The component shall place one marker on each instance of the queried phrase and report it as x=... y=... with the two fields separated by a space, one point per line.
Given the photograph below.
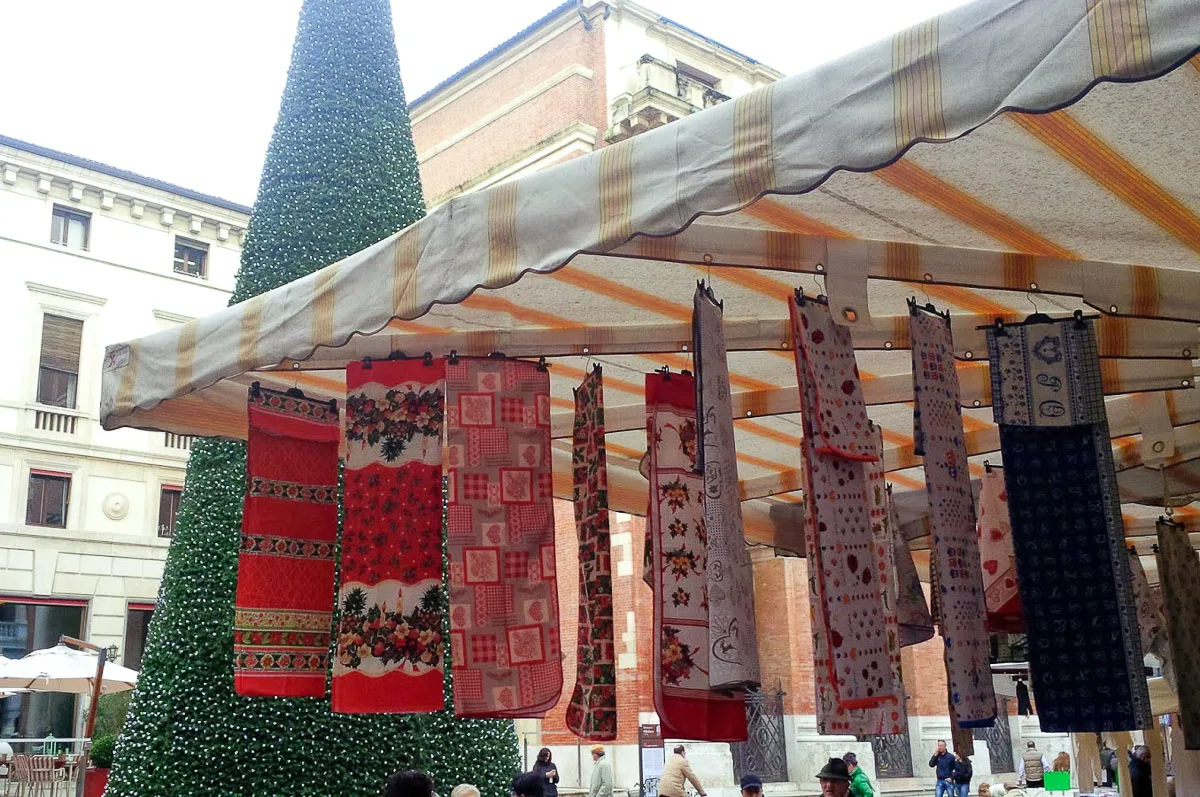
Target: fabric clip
x=543 y=366
x=255 y=389
x=497 y=355
x=427 y=359
x=366 y=363
x=1078 y=315
x=397 y=355
x=296 y=392
x=453 y=358
x=665 y=371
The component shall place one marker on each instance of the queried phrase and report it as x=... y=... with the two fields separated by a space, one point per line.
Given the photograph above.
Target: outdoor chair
x=18 y=776
x=44 y=778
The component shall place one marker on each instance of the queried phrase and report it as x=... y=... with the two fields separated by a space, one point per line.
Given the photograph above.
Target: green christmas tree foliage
x=340 y=174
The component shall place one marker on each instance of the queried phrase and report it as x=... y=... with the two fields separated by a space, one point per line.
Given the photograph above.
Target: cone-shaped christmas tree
x=340 y=174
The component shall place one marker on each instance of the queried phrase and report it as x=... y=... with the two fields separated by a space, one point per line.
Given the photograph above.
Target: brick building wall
x=535 y=93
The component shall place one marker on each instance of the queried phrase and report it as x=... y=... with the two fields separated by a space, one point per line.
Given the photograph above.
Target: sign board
x=651 y=758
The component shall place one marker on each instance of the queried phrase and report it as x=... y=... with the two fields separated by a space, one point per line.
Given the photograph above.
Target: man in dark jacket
x=1140 y=782
x=962 y=775
x=943 y=762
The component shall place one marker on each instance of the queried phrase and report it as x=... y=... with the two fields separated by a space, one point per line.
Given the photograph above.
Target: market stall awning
x=1006 y=157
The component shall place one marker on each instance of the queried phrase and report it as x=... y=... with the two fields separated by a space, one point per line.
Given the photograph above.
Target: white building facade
x=89 y=255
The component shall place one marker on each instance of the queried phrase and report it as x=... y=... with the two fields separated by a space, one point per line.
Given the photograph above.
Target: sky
x=189 y=92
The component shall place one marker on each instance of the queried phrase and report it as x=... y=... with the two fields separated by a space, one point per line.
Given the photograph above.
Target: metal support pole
x=101 y=658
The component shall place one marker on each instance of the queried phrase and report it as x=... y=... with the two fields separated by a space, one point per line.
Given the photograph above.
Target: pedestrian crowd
x=840 y=777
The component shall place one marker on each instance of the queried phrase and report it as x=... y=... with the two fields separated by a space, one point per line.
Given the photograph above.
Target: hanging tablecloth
x=1152 y=620
x=912 y=612
x=390 y=649
x=687 y=708
x=1179 y=574
x=1081 y=620
x=938 y=436
x=500 y=534
x=592 y=712
x=850 y=637
x=284 y=607
x=733 y=645
x=996 y=554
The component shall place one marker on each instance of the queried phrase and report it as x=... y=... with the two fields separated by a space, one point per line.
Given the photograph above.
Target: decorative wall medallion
x=116 y=506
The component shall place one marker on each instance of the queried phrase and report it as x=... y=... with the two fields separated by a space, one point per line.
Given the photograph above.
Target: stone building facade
x=91 y=255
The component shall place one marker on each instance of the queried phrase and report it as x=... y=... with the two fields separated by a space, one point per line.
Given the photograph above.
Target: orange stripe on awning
x=622 y=293
x=417 y=328
x=904 y=481
x=1087 y=152
x=785 y=218
x=625 y=451
x=484 y=301
x=767 y=432
x=792 y=220
x=953 y=201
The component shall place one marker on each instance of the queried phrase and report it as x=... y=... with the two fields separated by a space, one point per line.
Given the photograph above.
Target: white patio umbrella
x=70 y=670
x=63 y=669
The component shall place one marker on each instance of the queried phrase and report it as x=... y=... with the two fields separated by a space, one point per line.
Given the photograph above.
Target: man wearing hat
x=601 y=784
x=751 y=785
x=835 y=778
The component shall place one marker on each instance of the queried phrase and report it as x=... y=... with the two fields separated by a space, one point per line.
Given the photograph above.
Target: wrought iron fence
x=764 y=753
x=999 y=739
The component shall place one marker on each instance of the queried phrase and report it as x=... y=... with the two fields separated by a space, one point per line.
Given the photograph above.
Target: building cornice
x=578 y=136
x=172 y=318
x=108 y=191
x=124 y=175
x=681 y=33
x=63 y=293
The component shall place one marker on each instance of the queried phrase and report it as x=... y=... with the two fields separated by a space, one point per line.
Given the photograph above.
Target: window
x=137 y=624
x=69 y=228
x=58 y=369
x=26 y=626
x=168 y=509
x=191 y=258
x=49 y=494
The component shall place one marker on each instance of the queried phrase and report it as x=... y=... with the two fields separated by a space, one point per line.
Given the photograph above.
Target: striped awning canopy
x=1006 y=157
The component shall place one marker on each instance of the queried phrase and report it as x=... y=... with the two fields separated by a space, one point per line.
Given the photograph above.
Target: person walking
x=860 y=785
x=1141 y=784
x=547 y=770
x=676 y=773
x=943 y=764
x=528 y=784
x=1033 y=767
x=601 y=784
x=834 y=778
x=963 y=772
x=751 y=785
x=411 y=783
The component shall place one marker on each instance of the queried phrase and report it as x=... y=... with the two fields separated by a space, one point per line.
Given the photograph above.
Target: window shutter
x=60 y=343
